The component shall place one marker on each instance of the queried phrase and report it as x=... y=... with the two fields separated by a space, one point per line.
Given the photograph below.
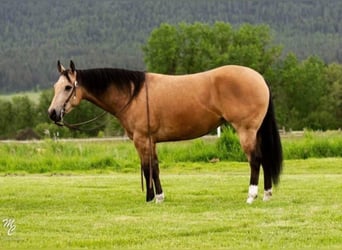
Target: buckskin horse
x=157 y=108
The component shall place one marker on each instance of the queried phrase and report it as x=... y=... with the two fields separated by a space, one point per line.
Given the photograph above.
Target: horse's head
x=67 y=93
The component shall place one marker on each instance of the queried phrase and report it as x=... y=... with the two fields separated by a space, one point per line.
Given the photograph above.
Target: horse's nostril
x=53 y=115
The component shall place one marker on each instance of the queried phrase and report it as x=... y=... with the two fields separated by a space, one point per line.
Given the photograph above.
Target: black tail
x=271 y=149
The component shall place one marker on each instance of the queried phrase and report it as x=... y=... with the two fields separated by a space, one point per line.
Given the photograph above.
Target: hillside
x=34 y=34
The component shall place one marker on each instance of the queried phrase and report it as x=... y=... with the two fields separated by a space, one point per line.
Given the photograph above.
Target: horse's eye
x=68 y=88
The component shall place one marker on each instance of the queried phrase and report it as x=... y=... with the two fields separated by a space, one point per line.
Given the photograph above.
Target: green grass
x=86 y=195
x=204 y=209
x=57 y=157
x=104 y=156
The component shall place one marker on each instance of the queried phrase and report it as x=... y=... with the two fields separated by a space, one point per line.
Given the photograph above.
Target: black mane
x=97 y=81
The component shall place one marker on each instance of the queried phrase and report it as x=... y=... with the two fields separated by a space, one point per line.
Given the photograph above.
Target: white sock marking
x=267 y=195
x=252 y=193
x=160 y=198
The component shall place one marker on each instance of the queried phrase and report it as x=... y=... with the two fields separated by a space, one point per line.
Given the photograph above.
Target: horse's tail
x=271 y=149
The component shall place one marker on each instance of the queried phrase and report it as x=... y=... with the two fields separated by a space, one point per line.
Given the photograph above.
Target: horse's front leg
x=155 y=175
x=153 y=187
x=150 y=168
x=149 y=183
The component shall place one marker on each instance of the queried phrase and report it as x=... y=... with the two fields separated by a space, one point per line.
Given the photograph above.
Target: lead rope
x=150 y=155
x=76 y=126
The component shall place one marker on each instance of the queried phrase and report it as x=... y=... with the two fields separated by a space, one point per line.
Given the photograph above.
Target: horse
x=155 y=108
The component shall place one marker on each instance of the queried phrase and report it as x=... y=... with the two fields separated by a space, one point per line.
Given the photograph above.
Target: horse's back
x=232 y=77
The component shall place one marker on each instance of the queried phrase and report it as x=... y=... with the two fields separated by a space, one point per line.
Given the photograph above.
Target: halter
x=72 y=93
x=74 y=86
x=75 y=126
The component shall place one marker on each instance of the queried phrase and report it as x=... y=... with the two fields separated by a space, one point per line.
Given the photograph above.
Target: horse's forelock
x=65 y=73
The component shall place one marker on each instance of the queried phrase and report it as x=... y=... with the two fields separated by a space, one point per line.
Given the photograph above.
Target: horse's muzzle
x=55 y=115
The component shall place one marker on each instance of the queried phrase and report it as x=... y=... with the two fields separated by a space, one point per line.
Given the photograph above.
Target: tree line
x=22 y=118
x=35 y=34
x=307 y=93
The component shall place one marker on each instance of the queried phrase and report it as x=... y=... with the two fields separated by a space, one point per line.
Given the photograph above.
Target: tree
x=189 y=48
x=43 y=105
x=253 y=47
x=331 y=108
x=162 y=50
x=7 y=116
x=298 y=88
x=24 y=113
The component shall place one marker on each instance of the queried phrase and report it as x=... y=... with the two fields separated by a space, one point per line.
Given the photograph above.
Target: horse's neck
x=113 y=101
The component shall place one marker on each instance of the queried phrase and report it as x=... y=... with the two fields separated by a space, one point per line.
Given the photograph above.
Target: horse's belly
x=186 y=126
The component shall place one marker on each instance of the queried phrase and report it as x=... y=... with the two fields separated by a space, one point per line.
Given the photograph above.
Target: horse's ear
x=60 y=67
x=72 y=66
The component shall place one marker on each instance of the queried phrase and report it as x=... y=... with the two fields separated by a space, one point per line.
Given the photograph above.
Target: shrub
x=229 y=147
x=313 y=145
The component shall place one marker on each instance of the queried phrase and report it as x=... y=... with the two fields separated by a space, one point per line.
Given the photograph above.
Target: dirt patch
x=27 y=134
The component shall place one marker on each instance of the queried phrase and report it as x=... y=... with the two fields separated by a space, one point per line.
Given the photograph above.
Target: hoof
x=150 y=197
x=267 y=195
x=160 y=198
x=252 y=193
x=250 y=199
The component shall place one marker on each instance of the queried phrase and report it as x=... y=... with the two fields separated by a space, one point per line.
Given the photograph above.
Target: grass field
x=204 y=209
x=101 y=156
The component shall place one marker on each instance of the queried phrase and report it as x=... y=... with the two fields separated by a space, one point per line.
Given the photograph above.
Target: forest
x=280 y=39
x=35 y=34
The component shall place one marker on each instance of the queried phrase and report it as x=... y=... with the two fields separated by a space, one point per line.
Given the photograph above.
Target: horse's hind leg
x=249 y=144
x=254 y=163
x=267 y=181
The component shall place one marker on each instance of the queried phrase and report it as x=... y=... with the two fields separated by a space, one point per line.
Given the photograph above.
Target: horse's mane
x=97 y=81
